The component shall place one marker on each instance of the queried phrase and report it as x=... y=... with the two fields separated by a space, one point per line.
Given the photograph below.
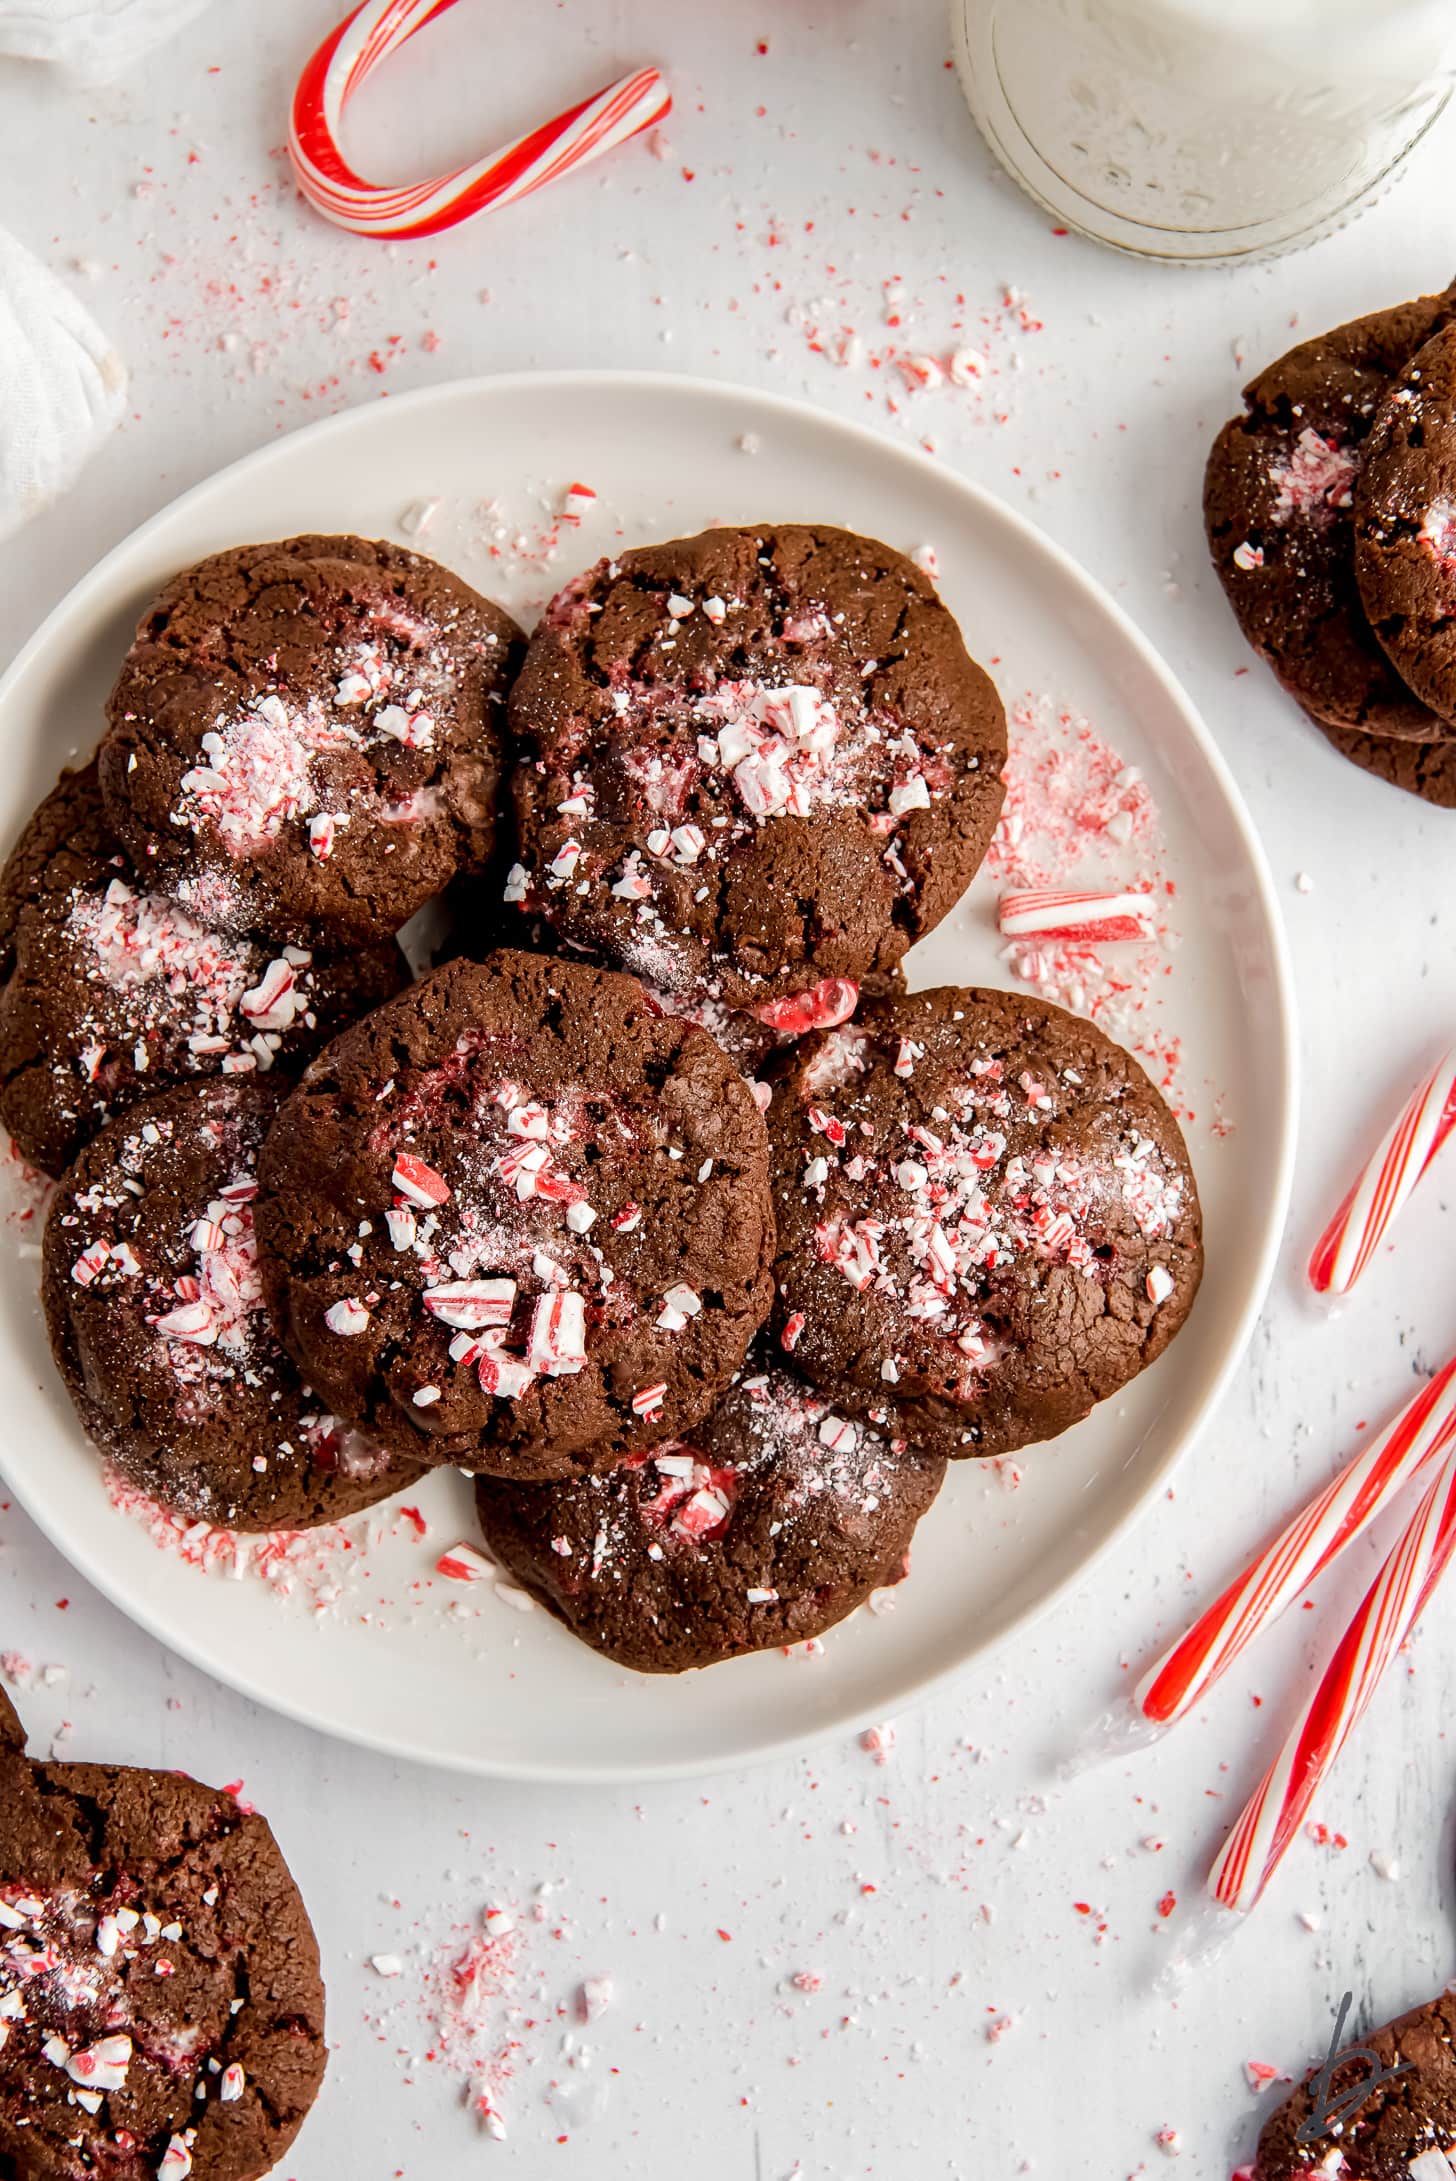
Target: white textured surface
x=887 y=2069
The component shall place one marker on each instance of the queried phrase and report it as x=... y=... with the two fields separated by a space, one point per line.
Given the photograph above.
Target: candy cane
x=1057 y=915
x=1182 y=1678
x=1388 y=1613
x=1402 y=1156
x=355 y=48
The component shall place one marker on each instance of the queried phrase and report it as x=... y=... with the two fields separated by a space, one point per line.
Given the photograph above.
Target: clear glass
x=1203 y=130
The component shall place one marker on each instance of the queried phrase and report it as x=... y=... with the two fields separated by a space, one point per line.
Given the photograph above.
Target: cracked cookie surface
x=987 y=1221
x=116 y=992
x=158 y=1324
x=1401 y=2132
x=1405 y=524
x=770 y=1521
x=518 y=1219
x=306 y=737
x=159 y=1978
x=752 y=760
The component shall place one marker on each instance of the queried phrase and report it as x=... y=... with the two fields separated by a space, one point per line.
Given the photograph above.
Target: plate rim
x=1287 y=1058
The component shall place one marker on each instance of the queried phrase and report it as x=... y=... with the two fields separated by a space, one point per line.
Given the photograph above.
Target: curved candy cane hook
x=355 y=48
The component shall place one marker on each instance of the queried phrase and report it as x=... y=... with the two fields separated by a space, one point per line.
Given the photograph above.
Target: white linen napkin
x=91 y=40
x=62 y=385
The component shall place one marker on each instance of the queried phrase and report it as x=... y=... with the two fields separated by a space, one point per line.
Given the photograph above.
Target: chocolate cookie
x=160 y=1995
x=1401 y=2132
x=155 y=1308
x=1405 y=524
x=752 y=760
x=117 y=992
x=1426 y=769
x=769 y=1523
x=306 y=737
x=519 y=1220
x=1277 y=501
x=987 y=1220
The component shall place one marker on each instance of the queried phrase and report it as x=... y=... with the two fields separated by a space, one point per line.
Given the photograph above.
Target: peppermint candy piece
x=557 y=1344
x=1052 y=914
x=348 y=1317
x=823 y=1007
x=101 y=2066
x=680 y=1303
x=419 y=1183
x=190 y=1321
x=275 y=999
x=464 y=1563
x=472 y=1304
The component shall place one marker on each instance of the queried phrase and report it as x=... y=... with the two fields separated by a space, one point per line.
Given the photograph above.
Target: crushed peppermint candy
x=275 y=762
x=177 y=994
x=772 y=1435
x=1079 y=860
x=1315 y=478
x=928 y=1220
x=71 y=1961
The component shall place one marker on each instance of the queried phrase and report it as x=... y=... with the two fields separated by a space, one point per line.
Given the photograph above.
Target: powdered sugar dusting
x=771 y=1432
x=946 y=1206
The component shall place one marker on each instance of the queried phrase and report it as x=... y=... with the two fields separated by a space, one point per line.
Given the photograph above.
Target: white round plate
x=420 y=1667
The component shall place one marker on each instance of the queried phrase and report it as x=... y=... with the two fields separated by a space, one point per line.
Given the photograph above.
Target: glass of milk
x=1204 y=129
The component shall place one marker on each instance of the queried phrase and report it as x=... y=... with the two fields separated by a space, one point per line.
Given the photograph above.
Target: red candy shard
x=418 y=1182
x=823 y=1007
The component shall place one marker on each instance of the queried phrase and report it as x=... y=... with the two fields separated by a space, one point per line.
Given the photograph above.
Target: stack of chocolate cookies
x=659 y=1206
x=1330 y=506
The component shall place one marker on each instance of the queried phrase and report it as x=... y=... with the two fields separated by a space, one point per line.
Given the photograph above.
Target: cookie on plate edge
x=1278 y=500
x=987 y=1219
x=770 y=1521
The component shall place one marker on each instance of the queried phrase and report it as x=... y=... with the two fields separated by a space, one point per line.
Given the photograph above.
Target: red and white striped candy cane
x=355 y=48
x=1402 y=1156
x=1049 y=913
x=1388 y=1613
x=1182 y=1678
